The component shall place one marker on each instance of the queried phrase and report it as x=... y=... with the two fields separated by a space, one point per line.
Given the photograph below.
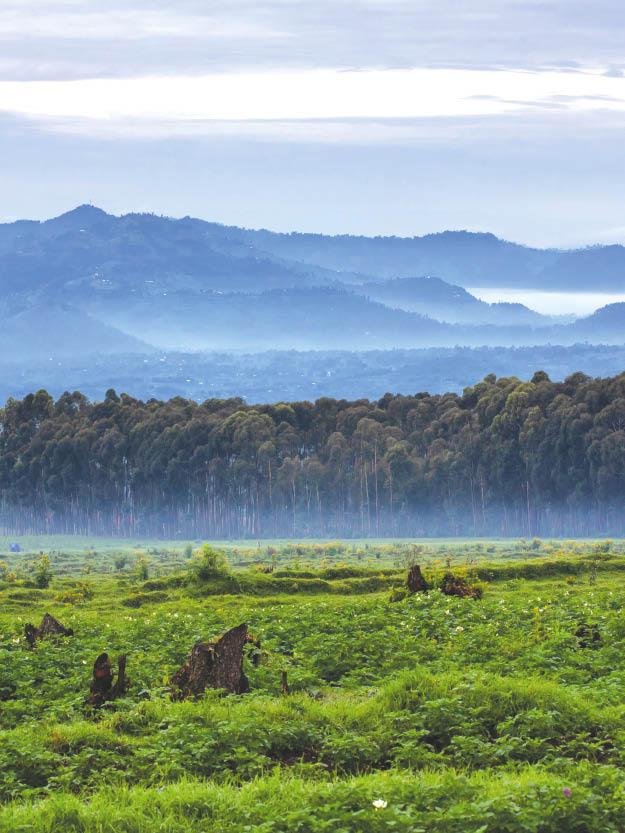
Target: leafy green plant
x=42 y=572
x=142 y=568
x=208 y=563
x=78 y=593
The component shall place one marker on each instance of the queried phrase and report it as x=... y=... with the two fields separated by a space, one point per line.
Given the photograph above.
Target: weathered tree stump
x=415 y=581
x=455 y=586
x=217 y=664
x=588 y=635
x=49 y=627
x=102 y=687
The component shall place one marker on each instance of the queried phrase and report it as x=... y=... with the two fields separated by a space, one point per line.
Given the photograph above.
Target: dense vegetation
x=505 y=457
x=406 y=712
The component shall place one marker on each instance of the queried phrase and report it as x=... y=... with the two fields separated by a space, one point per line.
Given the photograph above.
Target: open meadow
x=370 y=707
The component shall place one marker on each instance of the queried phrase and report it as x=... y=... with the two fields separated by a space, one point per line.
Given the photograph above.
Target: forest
x=506 y=457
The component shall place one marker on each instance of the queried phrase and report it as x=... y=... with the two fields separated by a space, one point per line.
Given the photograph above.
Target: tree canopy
x=505 y=457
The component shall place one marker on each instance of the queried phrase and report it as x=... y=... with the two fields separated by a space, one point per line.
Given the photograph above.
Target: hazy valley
x=91 y=285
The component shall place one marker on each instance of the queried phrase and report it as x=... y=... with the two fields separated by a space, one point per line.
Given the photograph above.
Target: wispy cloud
x=414 y=115
x=109 y=38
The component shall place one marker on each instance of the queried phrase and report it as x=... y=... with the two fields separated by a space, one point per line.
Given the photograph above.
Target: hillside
x=88 y=250
x=608 y=320
x=88 y=246
x=446 y=302
x=461 y=257
x=312 y=318
x=89 y=282
x=42 y=332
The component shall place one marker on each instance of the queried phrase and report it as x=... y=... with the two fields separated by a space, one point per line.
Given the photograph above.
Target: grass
x=437 y=802
x=81 y=555
x=461 y=715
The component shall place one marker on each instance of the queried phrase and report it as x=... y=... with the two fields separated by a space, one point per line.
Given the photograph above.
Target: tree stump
x=49 y=627
x=455 y=586
x=415 y=582
x=102 y=687
x=217 y=664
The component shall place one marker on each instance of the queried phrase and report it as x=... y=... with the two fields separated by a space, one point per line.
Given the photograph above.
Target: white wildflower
x=380 y=804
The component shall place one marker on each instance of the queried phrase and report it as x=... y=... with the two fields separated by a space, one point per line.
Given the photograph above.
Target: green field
x=406 y=713
x=77 y=555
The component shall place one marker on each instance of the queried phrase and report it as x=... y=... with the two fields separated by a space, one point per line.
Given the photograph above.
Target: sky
x=342 y=116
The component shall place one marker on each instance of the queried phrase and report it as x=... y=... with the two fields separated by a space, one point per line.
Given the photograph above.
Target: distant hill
x=466 y=258
x=88 y=250
x=90 y=282
x=57 y=332
x=322 y=318
x=461 y=257
x=446 y=302
x=301 y=319
x=608 y=321
x=597 y=268
x=89 y=247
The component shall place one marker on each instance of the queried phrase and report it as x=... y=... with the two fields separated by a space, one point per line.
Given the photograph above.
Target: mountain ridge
x=193 y=285
x=464 y=257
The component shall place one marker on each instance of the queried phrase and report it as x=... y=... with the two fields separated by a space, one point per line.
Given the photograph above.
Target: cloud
x=306 y=95
x=548 y=178
x=414 y=115
x=122 y=38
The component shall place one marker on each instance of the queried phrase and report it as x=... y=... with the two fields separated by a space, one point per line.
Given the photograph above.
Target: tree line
x=507 y=457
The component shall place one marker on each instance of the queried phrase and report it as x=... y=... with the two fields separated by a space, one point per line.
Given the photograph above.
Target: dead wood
x=49 y=627
x=217 y=664
x=102 y=687
x=415 y=581
x=455 y=586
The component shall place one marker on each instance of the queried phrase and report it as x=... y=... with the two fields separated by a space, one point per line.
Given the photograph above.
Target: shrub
x=208 y=563
x=42 y=572
x=120 y=562
x=142 y=567
x=81 y=591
